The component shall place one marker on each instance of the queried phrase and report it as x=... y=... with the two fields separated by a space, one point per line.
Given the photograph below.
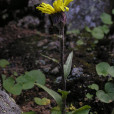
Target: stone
x=28 y=22
x=86 y=13
x=55 y=70
x=8 y=105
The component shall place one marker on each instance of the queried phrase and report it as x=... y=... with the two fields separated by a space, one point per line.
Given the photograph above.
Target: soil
x=23 y=49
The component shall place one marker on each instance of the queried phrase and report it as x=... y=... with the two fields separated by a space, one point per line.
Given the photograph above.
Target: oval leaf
x=16 y=89
x=43 y=101
x=3 y=63
x=97 y=33
x=102 y=68
x=68 y=65
x=9 y=85
x=102 y=96
x=28 y=85
x=109 y=87
x=111 y=71
x=37 y=76
x=106 y=18
x=94 y=86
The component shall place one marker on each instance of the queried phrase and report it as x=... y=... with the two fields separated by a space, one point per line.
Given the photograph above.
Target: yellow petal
x=46 y=8
x=66 y=2
x=67 y=9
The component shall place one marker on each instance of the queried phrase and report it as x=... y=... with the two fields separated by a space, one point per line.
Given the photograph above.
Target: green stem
x=62 y=64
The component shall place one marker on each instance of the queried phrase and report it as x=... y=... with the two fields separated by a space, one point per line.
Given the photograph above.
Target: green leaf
x=68 y=65
x=22 y=79
x=54 y=60
x=113 y=11
x=15 y=74
x=87 y=29
x=103 y=97
x=3 y=63
x=109 y=87
x=28 y=85
x=112 y=111
x=80 y=42
x=43 y=101
x=102 y=68
x=111 y=71
x=3 y=77
x=105 y=29
x=83 y=110
x=64 y=93
x=94 y=86
x=9 y=85
x=37 y=76
x=89 y=96
x=111 y=95
x=106 y=18
x=29 y=112
x=97 y=33
x=16 y=89
x=56 y=110
x=54 y=94
x=74 y=31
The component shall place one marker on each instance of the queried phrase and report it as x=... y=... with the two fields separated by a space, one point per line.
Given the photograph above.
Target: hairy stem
x=62 y=64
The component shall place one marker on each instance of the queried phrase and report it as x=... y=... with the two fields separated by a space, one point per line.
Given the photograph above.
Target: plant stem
x=62 y=64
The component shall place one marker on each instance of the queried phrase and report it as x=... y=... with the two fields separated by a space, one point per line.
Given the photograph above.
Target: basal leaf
x=37 y=76
x=16 y=89
x=106 y=18
x=102 y=68
x=103 y=97
x=9 y=85
x=109 y=87
x=3 y=63
x=97 y=33
x=111 y=71
x=89 y=96
x=94 y=86
x=28 y=85
x=43 y=101
x=105 y=29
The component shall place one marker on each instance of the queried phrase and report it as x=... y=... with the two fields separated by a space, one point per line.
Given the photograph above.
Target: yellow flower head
x=58 y=6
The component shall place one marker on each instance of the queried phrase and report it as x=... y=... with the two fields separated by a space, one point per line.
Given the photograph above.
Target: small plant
x=16 y=85
x=106 y=95
x=100 y=31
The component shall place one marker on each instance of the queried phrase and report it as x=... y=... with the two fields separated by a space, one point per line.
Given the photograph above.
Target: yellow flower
x=58 y=6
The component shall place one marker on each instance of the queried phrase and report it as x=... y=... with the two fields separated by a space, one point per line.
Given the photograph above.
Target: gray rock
x=28 y=22
x=86 y=13
x=8 y=105
x=55 y=70
x=58 y=79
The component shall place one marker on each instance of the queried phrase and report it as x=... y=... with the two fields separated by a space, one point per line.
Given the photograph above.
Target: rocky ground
x=23 y=47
